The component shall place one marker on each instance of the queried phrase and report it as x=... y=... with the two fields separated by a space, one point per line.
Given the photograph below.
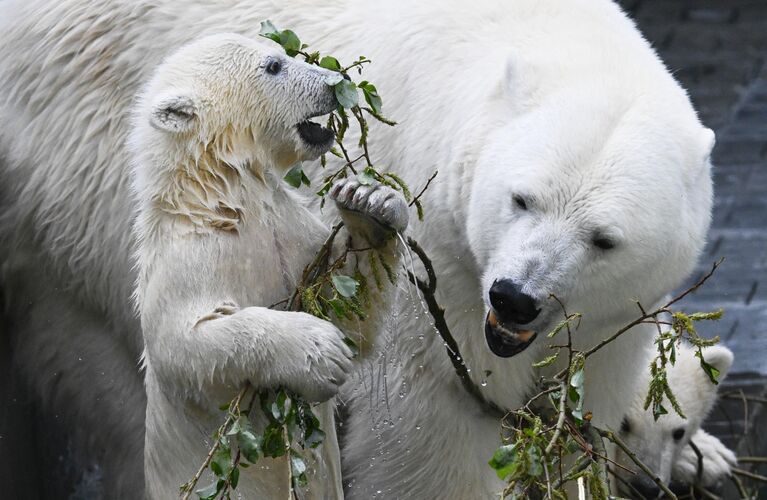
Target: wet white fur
x=220 y=237
x=564 y=102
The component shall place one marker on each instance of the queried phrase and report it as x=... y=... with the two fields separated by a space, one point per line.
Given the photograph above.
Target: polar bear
x=570 y=163
x=664 y=445
x=220 y=237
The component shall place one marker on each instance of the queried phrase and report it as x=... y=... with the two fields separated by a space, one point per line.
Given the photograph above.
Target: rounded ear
x=708 y=139
x=174 y=113
x=720 y=358
x=519 y=83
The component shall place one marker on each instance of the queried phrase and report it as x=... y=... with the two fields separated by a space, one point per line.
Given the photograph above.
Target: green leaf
x=576 y=381
x=346 y=93
x=558 y=328
x=351 y=344
x=367 y=176
x=299 y=470
x=325 y=189
x=345 y=285
x=209 y=492
x=534 y=467
x=221 y=463
x=296 y=176
x=339 y=309
x=273 y=444
x=504 y=460
x=712 y=372
x=547 y=361
x=330 y=62
x=314 y=438
x=234 y=478
x=290 y=42
x=268 y=30
x=576 y=393
x=299 y=466
x=707 y=316
x=238 y=426
x=334 y=79
x=658 y=410
x=370 y=93
x=250 y=445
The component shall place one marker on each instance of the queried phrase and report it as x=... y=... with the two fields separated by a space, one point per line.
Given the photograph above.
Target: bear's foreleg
x=373 y=217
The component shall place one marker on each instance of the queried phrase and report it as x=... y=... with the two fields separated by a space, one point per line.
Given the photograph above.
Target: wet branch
x=428 y=289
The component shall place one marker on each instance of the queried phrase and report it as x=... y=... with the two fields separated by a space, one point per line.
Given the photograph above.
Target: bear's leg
x=374 y=215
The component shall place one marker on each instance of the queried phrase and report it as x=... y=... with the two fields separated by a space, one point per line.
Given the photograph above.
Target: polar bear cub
x=664 y=445
x=221 y=236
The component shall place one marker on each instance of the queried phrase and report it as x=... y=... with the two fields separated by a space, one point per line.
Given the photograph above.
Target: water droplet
x=483 y=383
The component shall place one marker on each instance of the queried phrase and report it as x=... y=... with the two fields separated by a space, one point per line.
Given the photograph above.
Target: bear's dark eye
x=678 y=434
x=520 y=202
x=273 y=67
x=603 y=242
x=625 y=426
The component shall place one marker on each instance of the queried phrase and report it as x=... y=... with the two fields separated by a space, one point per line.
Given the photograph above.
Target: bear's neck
x=204 y=185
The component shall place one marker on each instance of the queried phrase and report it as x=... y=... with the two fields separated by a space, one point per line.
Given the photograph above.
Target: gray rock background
x=717 y=50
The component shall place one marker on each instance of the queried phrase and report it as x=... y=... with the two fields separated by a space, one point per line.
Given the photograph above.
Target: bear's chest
x=277 y=238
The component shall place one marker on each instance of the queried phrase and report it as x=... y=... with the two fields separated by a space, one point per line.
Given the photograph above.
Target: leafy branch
x=565 y=434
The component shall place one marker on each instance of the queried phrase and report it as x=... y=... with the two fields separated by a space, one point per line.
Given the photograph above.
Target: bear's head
x=219 y=109
x=593 y=198
x=242 y=100
x=659 y=444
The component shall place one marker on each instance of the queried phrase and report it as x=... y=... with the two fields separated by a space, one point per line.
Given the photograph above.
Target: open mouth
x=506 y=342
x=314 y=134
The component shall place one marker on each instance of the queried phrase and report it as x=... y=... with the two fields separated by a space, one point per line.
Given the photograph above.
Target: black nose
x=511 y=304
x=645 y=486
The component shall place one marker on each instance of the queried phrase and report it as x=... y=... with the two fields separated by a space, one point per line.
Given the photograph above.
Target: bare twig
x=744 y=396
x=739 y=485
x=656 y=312
x=609 y=435
x=601 y=453
x=422 y=191
x=561 y=419
x=580 y=465
x=699 y=455
x=188 y=488
x=750 y=475
x=625 y=483
x=291 y=490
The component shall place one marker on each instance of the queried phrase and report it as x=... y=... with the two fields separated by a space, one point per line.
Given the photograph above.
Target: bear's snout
x=511 y=304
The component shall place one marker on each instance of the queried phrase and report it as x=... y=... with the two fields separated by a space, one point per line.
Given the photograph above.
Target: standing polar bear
x=570 y=163
x=220 y=236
